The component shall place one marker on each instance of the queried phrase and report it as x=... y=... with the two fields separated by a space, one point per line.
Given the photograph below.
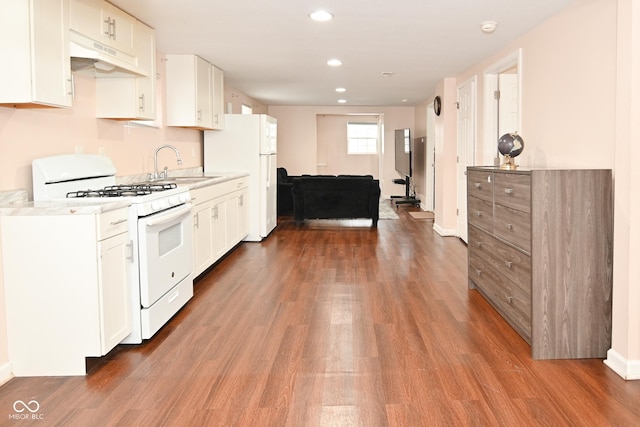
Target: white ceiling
x=271 y=50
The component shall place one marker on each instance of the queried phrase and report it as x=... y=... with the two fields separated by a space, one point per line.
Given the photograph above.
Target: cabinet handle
x=113 y=31
x=215 y=212
x=108 y=31
x=508 y=264
x=508 y=190
x=241 y=200
x=196 y=222
x=199 y=115
x=118 y=221
x=478 y=185
x=509 y=226
x=141 y=98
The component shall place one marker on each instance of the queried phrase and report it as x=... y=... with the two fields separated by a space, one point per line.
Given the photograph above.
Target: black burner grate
x=132 y=190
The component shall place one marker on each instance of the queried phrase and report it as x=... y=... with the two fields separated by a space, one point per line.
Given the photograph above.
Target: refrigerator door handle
x=269 y=171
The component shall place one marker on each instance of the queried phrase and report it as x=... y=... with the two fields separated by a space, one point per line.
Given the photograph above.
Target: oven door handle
x=163 y=219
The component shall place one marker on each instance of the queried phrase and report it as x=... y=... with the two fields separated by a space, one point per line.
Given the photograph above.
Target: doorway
x=429 y=202
x=502 y=104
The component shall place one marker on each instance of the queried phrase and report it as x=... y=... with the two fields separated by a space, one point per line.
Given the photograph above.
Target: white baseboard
x=444 y=232
x=5 y=372
x=627 y=369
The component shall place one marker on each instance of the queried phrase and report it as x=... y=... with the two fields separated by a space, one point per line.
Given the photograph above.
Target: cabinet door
x=238 y=209
x=114 y=290
x=204 y=93
x=219 y=220
x=131 y=97
x=218 y=97
x=202 y=237
x=189 y=94
x=34 y=39
x=104 y=23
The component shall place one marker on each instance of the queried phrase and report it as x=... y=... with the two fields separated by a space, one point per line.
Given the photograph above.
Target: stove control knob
x=155 y=205
x=173 y=201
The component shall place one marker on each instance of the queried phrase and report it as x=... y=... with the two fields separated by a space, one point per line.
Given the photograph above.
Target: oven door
x=165 y=251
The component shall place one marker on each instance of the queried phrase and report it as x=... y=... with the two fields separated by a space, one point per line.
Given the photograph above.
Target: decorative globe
x=510 y=144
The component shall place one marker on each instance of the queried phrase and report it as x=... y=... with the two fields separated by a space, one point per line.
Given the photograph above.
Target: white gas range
x=159 y=226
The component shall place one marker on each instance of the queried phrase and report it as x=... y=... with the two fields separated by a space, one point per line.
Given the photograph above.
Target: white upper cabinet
x=34 y=41
x=131 y=98
x=218 y=97
x=104 y=23
x=191 y=96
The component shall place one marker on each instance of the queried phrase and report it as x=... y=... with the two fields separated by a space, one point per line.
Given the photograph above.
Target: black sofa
x=335 y=197
x=285 y=200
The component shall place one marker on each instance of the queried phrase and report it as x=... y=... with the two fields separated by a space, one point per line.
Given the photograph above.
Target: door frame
x=490 y=154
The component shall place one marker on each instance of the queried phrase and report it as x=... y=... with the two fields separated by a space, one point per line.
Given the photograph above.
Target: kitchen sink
x=182 y=180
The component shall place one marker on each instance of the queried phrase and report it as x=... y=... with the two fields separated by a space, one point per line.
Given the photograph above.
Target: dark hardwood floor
x=334 y=324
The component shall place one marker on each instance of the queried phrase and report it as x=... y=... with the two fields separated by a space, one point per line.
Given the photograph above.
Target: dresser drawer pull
x=509 y=226
x=478 y=185
x=508 y=264
x=508 y=190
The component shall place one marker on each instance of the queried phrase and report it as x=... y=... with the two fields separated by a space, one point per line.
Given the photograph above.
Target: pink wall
x=26 y=134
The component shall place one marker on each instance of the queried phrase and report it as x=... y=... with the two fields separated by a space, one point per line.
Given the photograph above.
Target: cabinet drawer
x=113 y=222
x=239 y=183
x=509 y=300
x=513 y=190
x=480 y=184
x=513 y=226
x=511 y=263
x=480 y=213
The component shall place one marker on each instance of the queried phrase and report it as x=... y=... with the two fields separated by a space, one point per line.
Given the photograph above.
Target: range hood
x=88 y=54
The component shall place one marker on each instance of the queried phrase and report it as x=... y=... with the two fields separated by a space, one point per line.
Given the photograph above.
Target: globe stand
x=508 y=163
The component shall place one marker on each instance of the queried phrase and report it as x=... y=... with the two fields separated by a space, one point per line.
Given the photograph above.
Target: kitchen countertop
x=16 y=203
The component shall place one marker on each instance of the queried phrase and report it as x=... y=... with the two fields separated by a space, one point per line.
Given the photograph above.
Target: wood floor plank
x=333 y=323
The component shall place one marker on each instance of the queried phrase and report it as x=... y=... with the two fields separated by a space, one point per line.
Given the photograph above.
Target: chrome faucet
x=156 y=176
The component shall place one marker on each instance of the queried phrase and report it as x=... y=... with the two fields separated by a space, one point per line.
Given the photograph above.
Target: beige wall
x=297 y=132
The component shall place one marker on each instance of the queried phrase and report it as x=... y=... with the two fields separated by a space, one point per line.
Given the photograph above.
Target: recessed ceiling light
x=342 y=101
x=321 y=16
x=405 y=100
x=341 y=89
x=488 y=27
x=334 y=62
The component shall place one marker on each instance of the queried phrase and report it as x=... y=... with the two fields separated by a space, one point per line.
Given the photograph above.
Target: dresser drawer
x=480 y=184
x=480 y=213
x=509 y=300
x=513 y=226
x=513 y=190
x=506 y=260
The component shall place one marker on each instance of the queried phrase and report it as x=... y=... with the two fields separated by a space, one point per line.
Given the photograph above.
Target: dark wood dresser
x=541 y=252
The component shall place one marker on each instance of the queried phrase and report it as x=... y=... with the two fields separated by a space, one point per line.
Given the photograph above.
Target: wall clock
x=437 y=105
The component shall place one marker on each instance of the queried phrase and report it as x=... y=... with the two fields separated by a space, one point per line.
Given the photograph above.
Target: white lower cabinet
x=220 y=215
x=67 y=289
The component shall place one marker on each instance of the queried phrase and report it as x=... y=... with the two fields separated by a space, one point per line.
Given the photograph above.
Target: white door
x=466 y=148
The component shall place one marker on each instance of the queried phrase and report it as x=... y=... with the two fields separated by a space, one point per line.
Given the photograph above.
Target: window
x=362 y=138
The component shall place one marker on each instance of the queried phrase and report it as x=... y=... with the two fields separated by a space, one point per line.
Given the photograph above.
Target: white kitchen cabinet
x=189 y=88
x=218 y=97
x=103 y=22
x=220 y=217
x=67 y=288
x=195 y=93
x=127 y=97
x=34 y=41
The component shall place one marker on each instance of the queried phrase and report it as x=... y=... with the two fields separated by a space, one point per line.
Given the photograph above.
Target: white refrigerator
x=248 y=143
